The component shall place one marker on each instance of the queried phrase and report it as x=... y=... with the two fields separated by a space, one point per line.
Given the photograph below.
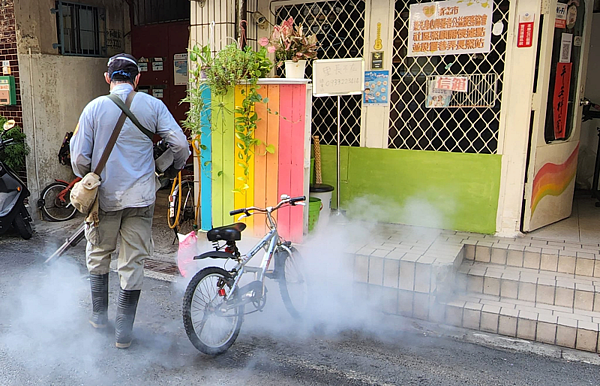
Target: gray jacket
x=128 y=179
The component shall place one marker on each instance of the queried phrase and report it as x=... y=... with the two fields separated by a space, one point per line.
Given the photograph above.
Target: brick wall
x=8 y=51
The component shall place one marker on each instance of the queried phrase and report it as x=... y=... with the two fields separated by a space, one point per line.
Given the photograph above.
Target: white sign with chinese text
x=338 y=76
x=180 y=68
x=450 y=27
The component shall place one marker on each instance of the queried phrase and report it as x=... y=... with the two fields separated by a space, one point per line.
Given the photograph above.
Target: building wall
x=56 y=88
x=484 y=193
x=436 y=189
x=8 y=51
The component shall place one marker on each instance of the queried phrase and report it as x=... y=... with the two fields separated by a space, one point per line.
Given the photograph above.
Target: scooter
x=12 y=195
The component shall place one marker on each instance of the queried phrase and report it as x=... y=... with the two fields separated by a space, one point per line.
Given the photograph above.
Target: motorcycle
x=12 y=195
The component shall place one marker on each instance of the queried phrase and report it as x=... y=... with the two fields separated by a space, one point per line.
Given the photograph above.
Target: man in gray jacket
x=128 y=189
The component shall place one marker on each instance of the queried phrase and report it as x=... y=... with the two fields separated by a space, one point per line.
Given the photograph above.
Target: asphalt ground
x=45 y=338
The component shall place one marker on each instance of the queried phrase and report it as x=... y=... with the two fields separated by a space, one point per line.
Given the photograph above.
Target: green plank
x=222 y=157
x=434 y=189
x=228 y=157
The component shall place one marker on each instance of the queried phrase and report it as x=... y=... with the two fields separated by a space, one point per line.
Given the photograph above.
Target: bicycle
x=183 y=212
x=214 y=303
x=55 y=201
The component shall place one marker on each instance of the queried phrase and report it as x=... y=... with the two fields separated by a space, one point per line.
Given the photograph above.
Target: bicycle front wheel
x=292 y=280
x=209 y=329
x=55 y=206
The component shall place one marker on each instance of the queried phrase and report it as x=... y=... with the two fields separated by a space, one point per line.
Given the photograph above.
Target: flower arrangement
x=290 y=43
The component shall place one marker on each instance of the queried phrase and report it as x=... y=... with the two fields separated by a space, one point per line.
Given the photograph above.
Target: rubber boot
x=99 y=286
x=126 y=308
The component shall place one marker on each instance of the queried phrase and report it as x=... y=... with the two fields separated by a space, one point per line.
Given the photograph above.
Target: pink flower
x=276 y=33
x=263 y=41
x=288 y=23
x=271 y=49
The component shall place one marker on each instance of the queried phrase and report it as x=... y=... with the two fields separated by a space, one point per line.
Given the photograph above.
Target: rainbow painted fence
x=284 y=121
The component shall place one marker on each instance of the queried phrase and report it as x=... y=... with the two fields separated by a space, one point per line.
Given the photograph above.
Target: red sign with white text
x=525 y=37
x=560 y=103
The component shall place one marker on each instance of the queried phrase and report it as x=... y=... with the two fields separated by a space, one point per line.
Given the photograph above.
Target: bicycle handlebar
x=292 y=201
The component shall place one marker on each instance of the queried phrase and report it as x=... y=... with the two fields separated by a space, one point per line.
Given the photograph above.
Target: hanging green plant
x=227 y=68
x=14 y=155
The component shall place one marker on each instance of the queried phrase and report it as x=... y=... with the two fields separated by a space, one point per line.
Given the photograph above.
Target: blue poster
x=377 y=85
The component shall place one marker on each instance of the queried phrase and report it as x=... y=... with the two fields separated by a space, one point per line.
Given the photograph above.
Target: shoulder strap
x=113 y=137
x=128 y=112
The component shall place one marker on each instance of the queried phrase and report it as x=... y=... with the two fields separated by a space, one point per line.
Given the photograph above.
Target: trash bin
x=323 y=192
x=314 y=209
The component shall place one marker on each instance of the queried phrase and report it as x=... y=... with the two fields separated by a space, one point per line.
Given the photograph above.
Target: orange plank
x=273 y=139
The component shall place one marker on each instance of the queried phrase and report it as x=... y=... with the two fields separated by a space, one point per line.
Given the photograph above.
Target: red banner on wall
x=560 y=102
x=525 y=36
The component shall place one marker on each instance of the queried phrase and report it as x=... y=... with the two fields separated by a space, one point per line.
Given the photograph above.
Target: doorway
x=583 y=223
x=161 y=50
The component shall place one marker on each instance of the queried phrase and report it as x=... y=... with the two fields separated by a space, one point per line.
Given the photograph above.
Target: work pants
x=134 y=225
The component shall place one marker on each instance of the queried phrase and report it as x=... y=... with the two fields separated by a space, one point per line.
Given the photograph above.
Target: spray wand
x=70 y=242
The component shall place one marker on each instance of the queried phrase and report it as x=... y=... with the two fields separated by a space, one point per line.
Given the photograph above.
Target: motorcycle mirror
x=9 y=124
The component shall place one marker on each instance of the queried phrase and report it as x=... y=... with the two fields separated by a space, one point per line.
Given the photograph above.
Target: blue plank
x=205 y=161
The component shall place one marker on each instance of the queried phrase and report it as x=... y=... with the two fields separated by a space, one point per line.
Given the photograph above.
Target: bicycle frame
x=269 y=242
x=63 y=193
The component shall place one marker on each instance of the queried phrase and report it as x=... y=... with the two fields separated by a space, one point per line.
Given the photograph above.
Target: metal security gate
x=470 y=124
x=339 y=26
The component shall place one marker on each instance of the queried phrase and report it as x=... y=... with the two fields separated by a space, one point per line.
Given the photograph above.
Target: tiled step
x=560 y=326
x=579 y=259
x=532 y=285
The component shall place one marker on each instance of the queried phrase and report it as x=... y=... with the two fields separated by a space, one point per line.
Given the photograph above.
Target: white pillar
x=513 y=139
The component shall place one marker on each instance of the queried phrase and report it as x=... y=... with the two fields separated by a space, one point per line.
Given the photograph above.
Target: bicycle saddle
x=231 y=232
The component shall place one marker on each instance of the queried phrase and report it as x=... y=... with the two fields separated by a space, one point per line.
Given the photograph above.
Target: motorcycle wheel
x=22 y=224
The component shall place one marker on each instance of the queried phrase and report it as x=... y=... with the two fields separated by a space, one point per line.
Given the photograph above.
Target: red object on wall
x=560 y=102
x=525 y=36
x=163 y=40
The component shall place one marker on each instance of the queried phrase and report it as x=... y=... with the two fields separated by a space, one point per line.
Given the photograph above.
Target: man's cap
x=124 y=65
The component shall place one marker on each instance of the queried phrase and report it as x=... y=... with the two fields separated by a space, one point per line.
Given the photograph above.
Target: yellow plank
x=244 y=182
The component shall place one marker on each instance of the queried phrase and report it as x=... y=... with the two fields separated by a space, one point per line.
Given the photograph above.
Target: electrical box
x=8 y=93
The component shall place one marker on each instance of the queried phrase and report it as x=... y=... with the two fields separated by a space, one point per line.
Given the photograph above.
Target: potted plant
x=14 y=156
x=230 y=66
x=291 y=46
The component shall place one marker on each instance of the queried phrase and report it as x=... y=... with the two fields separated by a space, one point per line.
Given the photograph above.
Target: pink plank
x=291 y=157
x=297 y=170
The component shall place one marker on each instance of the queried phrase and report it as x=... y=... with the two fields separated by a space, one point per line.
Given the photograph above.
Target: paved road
x=45 y=340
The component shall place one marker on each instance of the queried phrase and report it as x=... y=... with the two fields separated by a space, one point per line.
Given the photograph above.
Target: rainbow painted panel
x=553 y=179
x=281 y=123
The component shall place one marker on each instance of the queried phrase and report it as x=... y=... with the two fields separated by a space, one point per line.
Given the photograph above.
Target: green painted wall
x=425 y=188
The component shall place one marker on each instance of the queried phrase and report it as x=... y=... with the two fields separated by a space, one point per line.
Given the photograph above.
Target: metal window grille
x=228 y=29
x=459 y=128
x=81 y=29
x=251 y=29
x=160 y=11
x=339 y=26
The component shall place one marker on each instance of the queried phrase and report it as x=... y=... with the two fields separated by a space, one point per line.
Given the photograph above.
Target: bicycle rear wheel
x=210 y=331
x=292 y=280
x=186 y=221
x=53 y=206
